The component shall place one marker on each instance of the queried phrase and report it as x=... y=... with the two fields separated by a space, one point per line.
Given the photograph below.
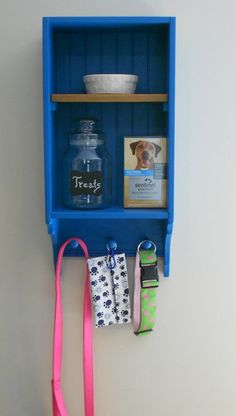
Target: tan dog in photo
x=145 y=153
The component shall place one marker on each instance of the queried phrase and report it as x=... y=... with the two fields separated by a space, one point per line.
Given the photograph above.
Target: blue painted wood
x=171 y=148
x=110 y=213
x=72 y=47
x=48 y=117
x=100 y=232
x=116 y=22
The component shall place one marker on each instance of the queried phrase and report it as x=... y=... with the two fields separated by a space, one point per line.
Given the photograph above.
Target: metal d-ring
x=148 y=244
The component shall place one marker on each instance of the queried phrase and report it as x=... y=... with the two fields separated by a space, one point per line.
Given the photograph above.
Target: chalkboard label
x=85 y=183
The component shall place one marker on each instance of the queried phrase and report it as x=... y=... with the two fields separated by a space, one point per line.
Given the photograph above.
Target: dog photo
x=145 y=172
x=145 y=152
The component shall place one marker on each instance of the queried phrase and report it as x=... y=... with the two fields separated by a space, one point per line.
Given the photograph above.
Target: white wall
x=188 y=366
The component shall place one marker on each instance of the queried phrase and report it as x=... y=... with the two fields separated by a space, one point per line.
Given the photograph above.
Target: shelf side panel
x=171 y=121
x=48 y=85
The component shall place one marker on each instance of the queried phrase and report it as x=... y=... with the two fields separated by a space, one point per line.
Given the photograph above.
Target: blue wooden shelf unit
x=73 y=47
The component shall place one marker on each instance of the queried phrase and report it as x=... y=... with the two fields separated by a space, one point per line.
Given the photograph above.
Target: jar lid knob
x=86 y=125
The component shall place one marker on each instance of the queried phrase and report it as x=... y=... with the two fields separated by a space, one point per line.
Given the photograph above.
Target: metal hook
x=111 y=245
x=74 y=244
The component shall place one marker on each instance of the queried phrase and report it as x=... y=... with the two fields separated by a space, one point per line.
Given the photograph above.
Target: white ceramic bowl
x=110 y=83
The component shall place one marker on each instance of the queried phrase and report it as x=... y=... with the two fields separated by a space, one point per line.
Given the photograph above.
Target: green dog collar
x=149 y=281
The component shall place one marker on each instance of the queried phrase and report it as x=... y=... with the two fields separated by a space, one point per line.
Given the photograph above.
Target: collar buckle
x=149 y=276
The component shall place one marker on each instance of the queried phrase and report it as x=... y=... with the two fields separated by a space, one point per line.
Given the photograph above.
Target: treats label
x=86 y=183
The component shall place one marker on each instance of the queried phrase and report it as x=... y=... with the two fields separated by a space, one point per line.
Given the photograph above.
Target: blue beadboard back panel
x=74 y=47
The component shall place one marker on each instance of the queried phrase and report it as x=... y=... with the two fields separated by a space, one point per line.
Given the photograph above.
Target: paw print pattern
x=107 y=303
x=94 y=271
x=106 y=294
x=110 y=291
x=120 y=260
x=114 y=310
x=126 y=292
x=96 y=298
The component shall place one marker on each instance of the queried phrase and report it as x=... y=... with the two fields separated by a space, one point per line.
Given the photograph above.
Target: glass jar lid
x=84 y=133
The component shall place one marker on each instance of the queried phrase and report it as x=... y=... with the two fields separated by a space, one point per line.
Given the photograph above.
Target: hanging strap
x=59 y=408
x=145 y=285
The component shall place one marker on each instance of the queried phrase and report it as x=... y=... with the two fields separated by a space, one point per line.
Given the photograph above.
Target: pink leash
x=59 y=408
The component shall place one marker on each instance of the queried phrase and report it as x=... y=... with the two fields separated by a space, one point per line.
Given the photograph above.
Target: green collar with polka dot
x=149 y=281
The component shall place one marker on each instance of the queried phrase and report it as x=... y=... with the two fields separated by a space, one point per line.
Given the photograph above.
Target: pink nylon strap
x=137 y=291
x=59 y=408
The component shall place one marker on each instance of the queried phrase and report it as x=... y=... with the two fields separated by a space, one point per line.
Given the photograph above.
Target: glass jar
x=86 y=169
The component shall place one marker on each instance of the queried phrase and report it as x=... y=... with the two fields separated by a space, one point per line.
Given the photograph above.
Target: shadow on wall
x=30 y=270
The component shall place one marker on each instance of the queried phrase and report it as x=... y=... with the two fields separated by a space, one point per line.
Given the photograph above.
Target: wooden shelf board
x=109 y=98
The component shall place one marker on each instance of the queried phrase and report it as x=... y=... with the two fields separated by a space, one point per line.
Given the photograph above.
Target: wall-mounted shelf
x=109 y=98
x=73 y=47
